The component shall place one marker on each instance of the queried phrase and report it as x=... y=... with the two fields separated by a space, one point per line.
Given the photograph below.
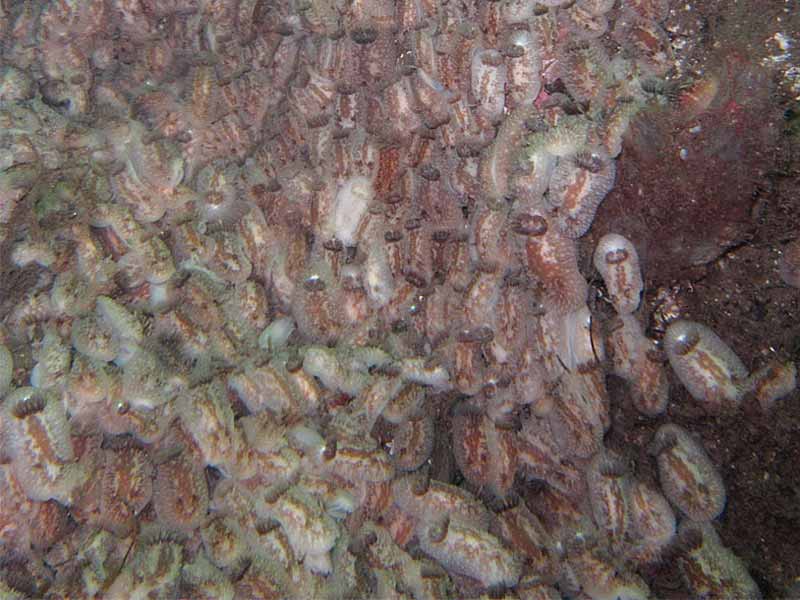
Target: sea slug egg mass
x=298 y=305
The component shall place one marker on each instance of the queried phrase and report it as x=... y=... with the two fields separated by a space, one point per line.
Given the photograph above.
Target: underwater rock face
x=293 y=301
x=686 y=192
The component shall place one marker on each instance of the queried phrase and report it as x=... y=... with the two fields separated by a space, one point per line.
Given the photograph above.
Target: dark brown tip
x=489 y=390
x=611 y=468
x=393 y=198
x=345 y=88
x=536 y=124
x=393 y=235
x=513 y=51
x=492 y=58
x=468 y=150
x=29 y=406
x=264 y=526
x=431 y=571
x=614 y=325
x=690 y=540
x=440 y=236
x=615 y=257
x=508 y=423
x=315 y=283
x=294 y=363
x=656 y=355
x=400 y=326
x=412 y=224
x=663 y=443
x=317 y=121
x=331 y=445
x=687 y=343
x=273 y=494
x=333 y=245
x=364 y=35
x=589 y=161
x=358 y=546
x=284 y=29
x=183 y=137
x=530 y=225
x=421 y=484
x=415 y=278
x=432 y=362
x=429 y=172
x=477 y=335
x=160 y=536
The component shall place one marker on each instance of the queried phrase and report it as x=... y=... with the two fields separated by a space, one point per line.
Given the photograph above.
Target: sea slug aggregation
x=297 y=303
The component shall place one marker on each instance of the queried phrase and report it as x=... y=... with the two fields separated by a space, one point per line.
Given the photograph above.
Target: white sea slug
x=706 y=366
x=616 y=260
x=378 y=276
x=350 y=208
